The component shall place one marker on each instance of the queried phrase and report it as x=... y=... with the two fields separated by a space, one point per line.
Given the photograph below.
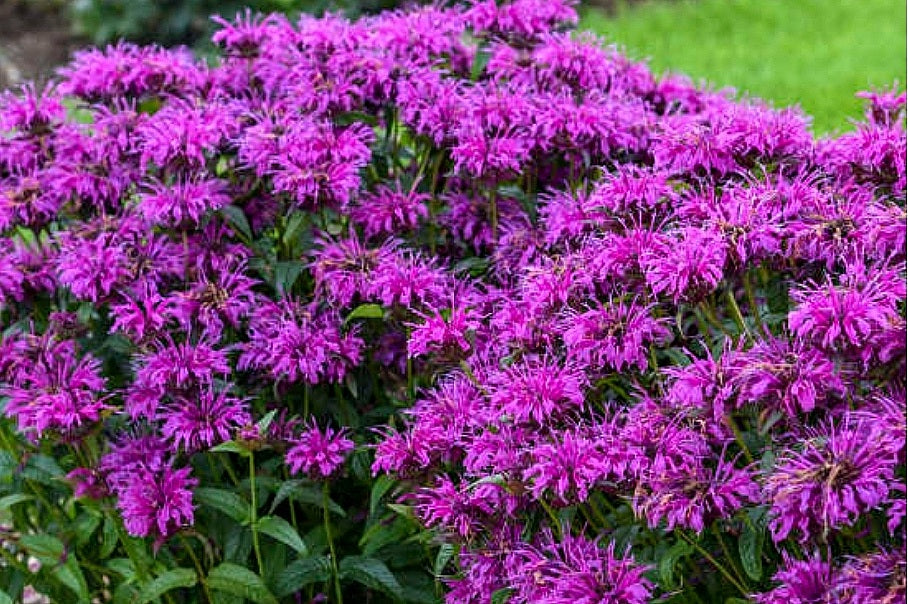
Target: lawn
x=816 y=53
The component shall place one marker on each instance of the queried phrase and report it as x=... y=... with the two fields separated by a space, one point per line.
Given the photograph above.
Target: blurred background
x=815 y=53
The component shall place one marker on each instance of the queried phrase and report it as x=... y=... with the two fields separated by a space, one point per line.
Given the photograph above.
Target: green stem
x=728 y=556
x=556 y=524
x=736 y=313
x=253 y=515
x=198 y=567
x=752 y=302
x=327 y=519
x=716 y=564
x=738 y=438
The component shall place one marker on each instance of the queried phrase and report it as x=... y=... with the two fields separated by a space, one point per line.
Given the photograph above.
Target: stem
x=728 y=556
x=738 y=438
x=327 y=520
x=493 y=215
x=736 y=313
x=716 y=564
x=198 y=566
x=253 y=515
x=752 y=302
x=555 y=522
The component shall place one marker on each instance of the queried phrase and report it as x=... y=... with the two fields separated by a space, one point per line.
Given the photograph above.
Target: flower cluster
x=595 y=324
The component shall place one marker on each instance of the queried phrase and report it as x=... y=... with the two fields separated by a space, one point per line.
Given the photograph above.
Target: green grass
x=815 y=53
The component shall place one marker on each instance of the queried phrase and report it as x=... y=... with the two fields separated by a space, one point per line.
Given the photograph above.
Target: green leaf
x=286 y=272
x=371 y=572
x=108 y=538
x=237 y=219
x=445 y=553
x=5 y=599
x=172 y=579
x=366 y=311
x=47 y=549
x=293 y=225
x=750 y=548
x=11 y=500
x=239 y=581
x=84 y=526
x=381 y=487
x=304 y=493
x=501 y=596
x=230 y=446
x=43 y=469
x=281 y=530
x=227 y=502
x=301 y=573
x=668 y=561
x=70 y=575
x=265 y=423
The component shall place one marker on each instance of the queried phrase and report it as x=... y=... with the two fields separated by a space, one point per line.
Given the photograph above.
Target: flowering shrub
x=447 y=304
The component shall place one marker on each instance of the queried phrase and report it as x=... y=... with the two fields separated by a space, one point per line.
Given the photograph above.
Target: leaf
x=501 y=596
x=239 y=581
x=227 y=502
x=11 y=500
x=237 y=219
x=43 y=469
x=281 y=530
x=230 y=446
x=5 y=599
x=265 y=423
x=47 y=549
x=293 y=224
x=286 y=272
x=445 y=553
x=668 y=561
x=70 y=575
x=371 y=572
x=172 y=579
x=366 y=311
x=381 y=487
x=298 y=491
x=301 y=573
x=750 y=548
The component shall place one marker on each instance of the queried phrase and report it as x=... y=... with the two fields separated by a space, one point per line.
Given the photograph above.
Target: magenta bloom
x=538 y=390
x=296 y=342
x=54 y=388
x=389 y=211
x=811 y=581
x=616 y=335
x=207 y=419
x=838 y=475
x=157 y=502
x=318 y=453
x=577 y=570
x=183 y=202
x=687 y=267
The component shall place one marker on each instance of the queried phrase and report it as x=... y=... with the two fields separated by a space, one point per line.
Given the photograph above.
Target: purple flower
x=811 y=581
x=786 y=374
x=389 y=211
x=616 y=335
x=55 y=389
x=539 y=390
x=296 y=342
x=173 y=369
x=688 y=266
x=839 y=474
x=208 y=418
x=183 y=202
x=157 y=502
x=577 y=570
x=318 y=453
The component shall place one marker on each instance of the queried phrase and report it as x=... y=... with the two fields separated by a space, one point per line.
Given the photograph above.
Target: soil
x=35 y=38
